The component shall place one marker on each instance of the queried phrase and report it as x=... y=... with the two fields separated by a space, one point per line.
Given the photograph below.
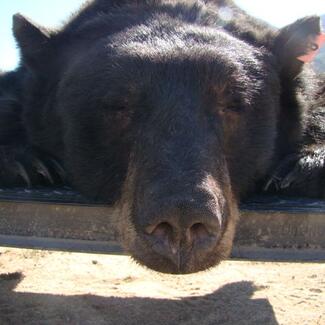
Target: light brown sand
x=41 y=287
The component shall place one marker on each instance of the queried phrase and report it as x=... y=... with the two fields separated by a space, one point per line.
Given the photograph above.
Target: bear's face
x=176 y=128
x=172 y=120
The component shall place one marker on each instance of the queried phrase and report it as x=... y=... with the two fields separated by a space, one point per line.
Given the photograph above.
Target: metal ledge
x=270 y=228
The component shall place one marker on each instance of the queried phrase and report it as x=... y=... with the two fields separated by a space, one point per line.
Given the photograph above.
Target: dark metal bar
x=60 y=219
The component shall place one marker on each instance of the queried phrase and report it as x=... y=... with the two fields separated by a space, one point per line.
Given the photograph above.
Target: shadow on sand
x=230 y=304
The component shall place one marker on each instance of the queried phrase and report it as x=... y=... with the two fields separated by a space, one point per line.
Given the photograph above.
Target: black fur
x=170 y=109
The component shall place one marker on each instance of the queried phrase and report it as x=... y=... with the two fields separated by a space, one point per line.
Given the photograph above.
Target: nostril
x=161 y=230
x=200 y=237
x=199 y=232
x=161 y=235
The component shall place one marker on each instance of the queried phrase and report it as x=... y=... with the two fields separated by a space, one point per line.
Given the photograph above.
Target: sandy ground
x=40 y=287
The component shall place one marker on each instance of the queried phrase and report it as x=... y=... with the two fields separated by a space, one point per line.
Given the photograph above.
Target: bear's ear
x=33 y=40
x=297 y=44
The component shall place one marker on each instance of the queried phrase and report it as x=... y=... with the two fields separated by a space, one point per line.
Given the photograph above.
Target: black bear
x=173 y=110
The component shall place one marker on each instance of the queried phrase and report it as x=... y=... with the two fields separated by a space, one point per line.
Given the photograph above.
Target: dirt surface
x=41 y=287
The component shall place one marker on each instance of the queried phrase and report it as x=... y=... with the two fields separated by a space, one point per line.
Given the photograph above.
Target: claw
x=288 y=180
x=280 y=179
x=59 y=169
x=43 y=170
x=268 y=184
x=23 y=173
x=273 y=180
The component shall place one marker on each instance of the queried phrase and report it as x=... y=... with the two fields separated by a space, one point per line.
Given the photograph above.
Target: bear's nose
x=183 y=234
